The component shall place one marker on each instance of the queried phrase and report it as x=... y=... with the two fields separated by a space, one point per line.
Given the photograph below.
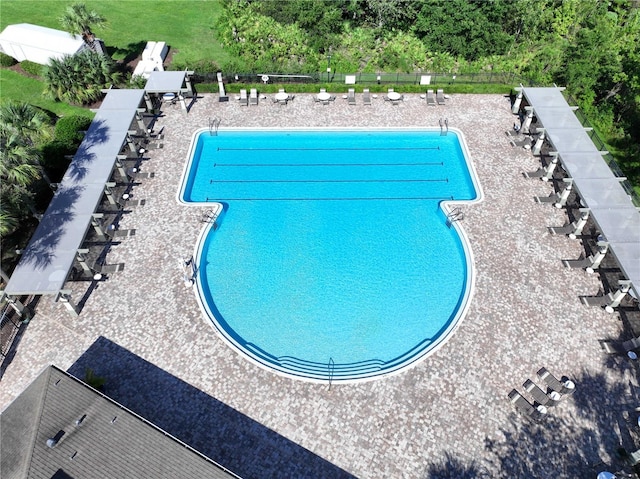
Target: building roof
x=101 y=437
x=38 y=43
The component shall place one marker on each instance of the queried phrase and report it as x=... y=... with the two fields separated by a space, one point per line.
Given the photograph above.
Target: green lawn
x=14 y=86
x=186 y=26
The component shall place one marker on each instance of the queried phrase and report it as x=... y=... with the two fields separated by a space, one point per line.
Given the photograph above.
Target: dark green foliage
x=93 y=380
x=68 y=135
x=54 y=158
x=79 y=79
x=6 y=60
x=462 y=28
x=68 y=130
x=32 y=68
x=320 y=19
x=200 y=66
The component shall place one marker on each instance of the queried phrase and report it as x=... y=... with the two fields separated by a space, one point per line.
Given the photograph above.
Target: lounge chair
x=621 y=347
x=566 y=387
x=244 y=101
x=538 y=394
x=631 y=344
x=525 y=407
x=253 y=97
x=431 y=100
x=440 y=97
x=366 y=97
x=351 y=96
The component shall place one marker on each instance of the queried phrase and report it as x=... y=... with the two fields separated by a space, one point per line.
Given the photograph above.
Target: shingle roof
x=101 y=437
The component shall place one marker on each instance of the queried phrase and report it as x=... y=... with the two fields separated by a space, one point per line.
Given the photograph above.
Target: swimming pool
x=333 y=257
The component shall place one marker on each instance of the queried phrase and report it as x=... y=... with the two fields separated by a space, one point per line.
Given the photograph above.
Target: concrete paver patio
x=448 y=416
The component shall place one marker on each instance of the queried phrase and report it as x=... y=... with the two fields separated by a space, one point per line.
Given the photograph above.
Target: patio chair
x=253 y=97
x=351 y=96
x=366 y=97
x=566 y=387
x=525 y=407
x=613 y=347
x=431 y=100
x=621 y=347
x=440 y=97
x=538 y=394
x=110 y=268
x=631 y=344
x=244 y=100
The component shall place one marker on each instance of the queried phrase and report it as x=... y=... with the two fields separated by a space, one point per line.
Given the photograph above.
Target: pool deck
x=448 y=416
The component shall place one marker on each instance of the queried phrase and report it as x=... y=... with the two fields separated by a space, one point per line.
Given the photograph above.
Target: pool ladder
x=214 y=123
x=209 y=216
x=444 y=126
x=455 y=214
x=331 y=366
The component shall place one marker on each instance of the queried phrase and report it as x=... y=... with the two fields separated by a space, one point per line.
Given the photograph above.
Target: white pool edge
x=446 y=205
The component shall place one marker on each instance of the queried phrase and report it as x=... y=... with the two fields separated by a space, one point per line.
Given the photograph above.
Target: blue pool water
x=333 y=258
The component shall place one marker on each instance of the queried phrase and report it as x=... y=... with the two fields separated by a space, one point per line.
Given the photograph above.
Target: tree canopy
x=77 y=19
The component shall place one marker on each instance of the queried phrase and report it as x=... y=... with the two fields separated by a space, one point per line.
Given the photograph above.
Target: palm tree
x=80 y=78
x=19 y=169
x=19 y=162
x=25 y=127
x=29 y=122
x=78 y=21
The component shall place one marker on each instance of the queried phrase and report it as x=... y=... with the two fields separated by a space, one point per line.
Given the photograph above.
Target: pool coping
x=446 y=206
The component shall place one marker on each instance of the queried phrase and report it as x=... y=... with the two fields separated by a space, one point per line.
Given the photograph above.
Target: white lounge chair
x=366 y=97
x=351 y=97
x=430 y=98
x=244 y=100
x=253 y=97
x=440 y=97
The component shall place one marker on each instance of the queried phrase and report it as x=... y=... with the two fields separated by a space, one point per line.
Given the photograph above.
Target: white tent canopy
x=38 y=44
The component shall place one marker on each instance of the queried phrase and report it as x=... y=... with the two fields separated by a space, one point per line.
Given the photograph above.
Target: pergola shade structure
x=175 y=83
x=49 y=256
x=603 y=197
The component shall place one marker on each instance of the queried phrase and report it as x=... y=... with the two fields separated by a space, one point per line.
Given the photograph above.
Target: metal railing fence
x=415 y=78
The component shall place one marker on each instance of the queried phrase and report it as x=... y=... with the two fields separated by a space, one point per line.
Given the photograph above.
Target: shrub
x=32 y=68
x=68 y=129
x=200 y=66
x=54 y=158
x=6 y=60
x=79 y=79
x=137 y=81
